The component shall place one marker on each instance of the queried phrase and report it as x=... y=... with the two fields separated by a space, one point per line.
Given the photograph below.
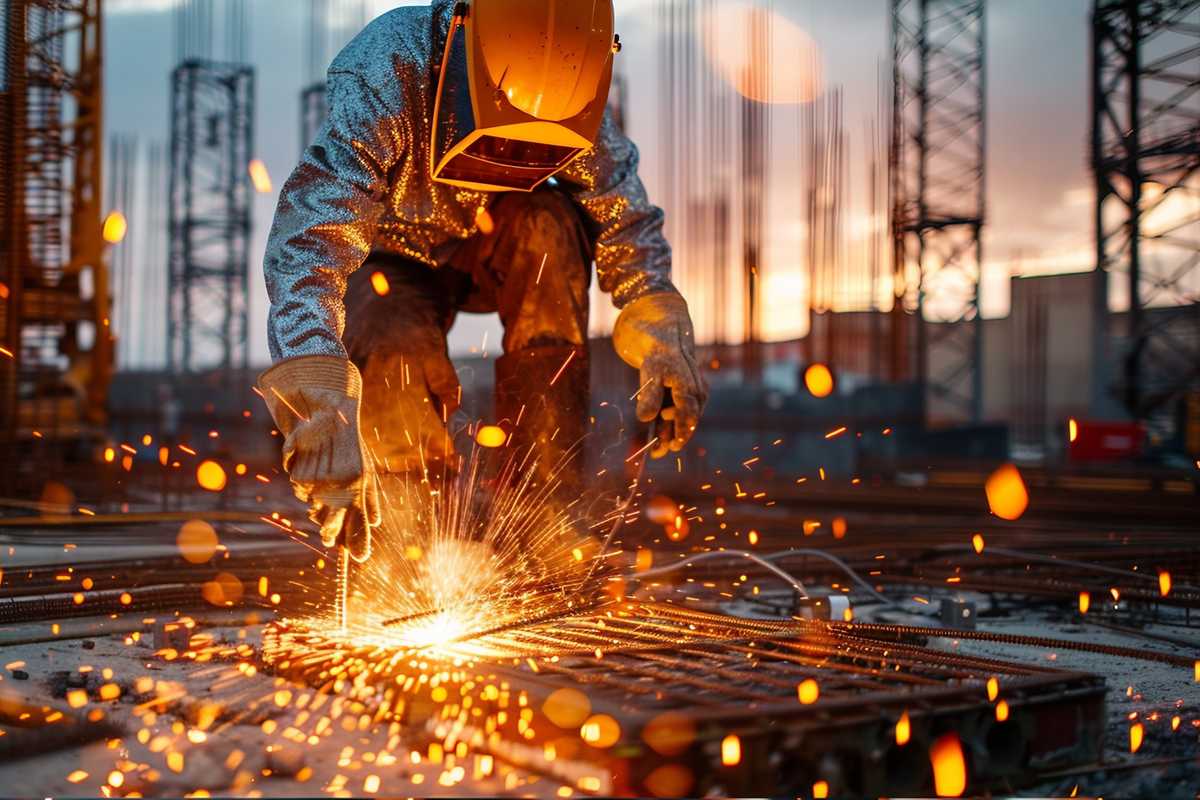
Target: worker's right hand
x=314 y=401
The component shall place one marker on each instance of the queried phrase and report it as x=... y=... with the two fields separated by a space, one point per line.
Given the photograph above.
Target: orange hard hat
x=522 y=90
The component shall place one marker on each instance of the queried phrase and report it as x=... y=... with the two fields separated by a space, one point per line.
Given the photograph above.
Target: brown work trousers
x=534 y=269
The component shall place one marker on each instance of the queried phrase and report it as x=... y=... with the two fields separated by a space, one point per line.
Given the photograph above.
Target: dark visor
x=508 y=162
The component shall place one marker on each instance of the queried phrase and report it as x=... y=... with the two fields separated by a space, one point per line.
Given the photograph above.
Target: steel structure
x=1146 y=156
x=55 y=296
x=212 y=130
x=938 y=185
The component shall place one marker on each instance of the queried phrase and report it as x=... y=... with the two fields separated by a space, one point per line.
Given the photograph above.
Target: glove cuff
x=330 y=373
x=669 y=298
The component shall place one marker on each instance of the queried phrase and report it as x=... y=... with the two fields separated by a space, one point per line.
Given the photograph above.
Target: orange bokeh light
x=379 y=283
x=211 y=476
x=818 y=380
x=222 y=590
x=762 y=54
x=115 y=227
x=567 y=708
x=670 y=733
x=949 y=766
x=600 y=731
x=1006 y=493
x=731 y=750
x=670 y=780
x=661 y=510
x=259 y=176
x=491 y=436
x=197 y=541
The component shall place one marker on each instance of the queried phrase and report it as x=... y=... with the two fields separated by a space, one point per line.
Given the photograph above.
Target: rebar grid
x=670 y=657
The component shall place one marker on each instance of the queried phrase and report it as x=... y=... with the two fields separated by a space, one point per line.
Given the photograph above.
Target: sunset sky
x=1039 y=189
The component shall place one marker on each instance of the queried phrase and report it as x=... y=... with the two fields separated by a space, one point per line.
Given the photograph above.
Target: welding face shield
x=521 y=91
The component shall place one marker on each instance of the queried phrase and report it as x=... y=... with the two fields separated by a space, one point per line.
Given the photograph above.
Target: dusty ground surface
x=165 y=747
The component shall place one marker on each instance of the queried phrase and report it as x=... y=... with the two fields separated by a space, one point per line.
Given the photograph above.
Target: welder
x=468 y=163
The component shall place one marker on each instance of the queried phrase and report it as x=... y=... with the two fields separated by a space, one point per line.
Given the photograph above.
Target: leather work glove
x=653 y=334
x=314 y=401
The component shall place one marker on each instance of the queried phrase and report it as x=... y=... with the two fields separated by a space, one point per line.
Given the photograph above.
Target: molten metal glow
x=458 y=556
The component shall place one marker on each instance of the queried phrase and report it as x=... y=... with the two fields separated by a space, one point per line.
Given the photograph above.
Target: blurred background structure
x=819 y=219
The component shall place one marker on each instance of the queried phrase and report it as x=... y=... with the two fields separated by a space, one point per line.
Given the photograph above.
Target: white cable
x=797 y=585
x=766 y=563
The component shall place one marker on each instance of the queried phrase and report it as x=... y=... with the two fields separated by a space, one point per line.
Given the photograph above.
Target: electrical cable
x=797 y=585
x=1069 y=562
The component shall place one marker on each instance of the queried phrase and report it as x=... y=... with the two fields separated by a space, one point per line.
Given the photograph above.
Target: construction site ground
x=45 y=661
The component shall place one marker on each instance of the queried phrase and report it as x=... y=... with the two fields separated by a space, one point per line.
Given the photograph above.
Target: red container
x=1105 y=441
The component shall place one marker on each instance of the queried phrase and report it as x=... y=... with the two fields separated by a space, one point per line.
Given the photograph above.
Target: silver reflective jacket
x=364 y=185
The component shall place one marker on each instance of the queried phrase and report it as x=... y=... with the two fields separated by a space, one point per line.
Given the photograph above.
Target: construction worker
x=467 y=164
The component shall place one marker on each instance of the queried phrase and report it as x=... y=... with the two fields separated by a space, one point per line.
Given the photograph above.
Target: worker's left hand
x=654 y=334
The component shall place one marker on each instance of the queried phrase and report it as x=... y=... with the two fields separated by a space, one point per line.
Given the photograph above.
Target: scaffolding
x=1146 y=156
x=54 y=298
x=212 y=130
x=938 y=188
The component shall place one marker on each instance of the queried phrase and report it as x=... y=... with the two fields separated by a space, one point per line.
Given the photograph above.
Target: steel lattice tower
x=939 y=84
x=55 y=301
x=212 y=132
x=1146 y=157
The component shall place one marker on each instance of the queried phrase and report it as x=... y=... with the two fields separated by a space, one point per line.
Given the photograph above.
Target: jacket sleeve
x=326 y=218
x=632 y=255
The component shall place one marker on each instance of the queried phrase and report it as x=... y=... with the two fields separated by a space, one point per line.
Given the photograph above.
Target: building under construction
x=913 y=549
